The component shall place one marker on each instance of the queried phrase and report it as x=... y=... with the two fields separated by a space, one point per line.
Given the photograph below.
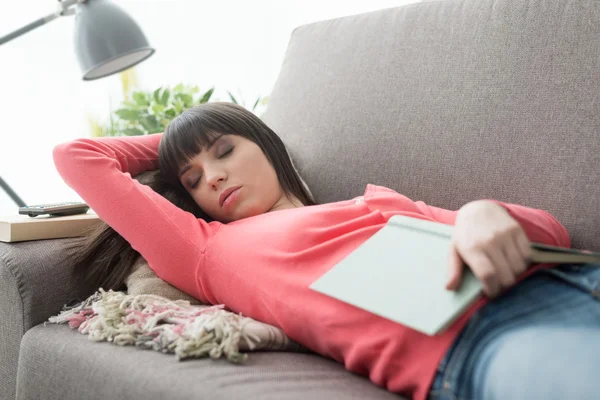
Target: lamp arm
x=29 y=27
x=11 y=193
x=63 y=9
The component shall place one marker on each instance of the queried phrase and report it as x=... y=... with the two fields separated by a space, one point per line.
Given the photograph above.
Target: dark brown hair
x=199 y=126
x=103 y=258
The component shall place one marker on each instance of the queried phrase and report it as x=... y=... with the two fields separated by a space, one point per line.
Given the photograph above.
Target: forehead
x=210 y=141
x=203 y=146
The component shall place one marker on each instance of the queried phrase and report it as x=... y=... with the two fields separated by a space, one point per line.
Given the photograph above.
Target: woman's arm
x=495 y=245
x=170 y=239
x=492 y=237
x=539 y=225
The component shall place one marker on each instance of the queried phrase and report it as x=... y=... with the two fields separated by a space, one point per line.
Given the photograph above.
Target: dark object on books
x=58 y=209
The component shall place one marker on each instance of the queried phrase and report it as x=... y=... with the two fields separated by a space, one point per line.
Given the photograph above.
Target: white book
x=400 y=274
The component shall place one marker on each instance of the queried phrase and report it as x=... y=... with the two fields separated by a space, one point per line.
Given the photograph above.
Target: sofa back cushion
x=449 y=102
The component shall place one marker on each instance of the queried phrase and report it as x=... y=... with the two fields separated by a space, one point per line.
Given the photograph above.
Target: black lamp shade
x=107 y=39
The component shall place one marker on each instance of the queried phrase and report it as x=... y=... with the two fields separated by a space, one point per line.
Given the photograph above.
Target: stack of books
x=17 y=228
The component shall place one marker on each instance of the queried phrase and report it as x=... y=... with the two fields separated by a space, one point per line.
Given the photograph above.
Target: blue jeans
x=539 y=340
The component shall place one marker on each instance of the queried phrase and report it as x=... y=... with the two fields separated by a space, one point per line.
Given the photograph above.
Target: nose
x=214 y=175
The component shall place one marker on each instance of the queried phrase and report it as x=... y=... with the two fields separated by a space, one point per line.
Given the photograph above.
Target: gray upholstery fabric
x=63 y=364
x=444 y=101
x=449 y=102
x=33 y=286
x=11 y=328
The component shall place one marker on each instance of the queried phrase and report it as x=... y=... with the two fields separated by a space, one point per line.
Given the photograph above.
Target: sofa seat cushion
x=57 y=362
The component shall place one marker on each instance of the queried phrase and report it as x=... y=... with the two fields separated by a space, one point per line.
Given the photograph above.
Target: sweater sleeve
x=539 y=225
x=100 y=170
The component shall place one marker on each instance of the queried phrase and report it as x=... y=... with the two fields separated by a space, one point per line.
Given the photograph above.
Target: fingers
x=502 y=259
x=498 y=268
x=514 y=254
x=492 y=244
x=524 y=246
x=484 y=270
x=493 y=269
x=455 y=270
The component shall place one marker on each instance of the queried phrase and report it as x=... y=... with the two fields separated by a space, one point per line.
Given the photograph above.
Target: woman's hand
x=491 y=243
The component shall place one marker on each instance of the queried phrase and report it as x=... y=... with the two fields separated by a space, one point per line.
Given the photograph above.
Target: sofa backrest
x=449 y=102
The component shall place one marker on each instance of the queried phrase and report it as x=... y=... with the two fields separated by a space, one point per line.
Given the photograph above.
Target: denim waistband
x=497 y=315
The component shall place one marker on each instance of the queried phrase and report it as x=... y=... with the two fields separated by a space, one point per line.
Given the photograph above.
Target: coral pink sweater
x=262 y=266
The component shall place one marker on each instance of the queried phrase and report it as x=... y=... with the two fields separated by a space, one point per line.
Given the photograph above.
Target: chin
x=236 y=216
x=243 y=211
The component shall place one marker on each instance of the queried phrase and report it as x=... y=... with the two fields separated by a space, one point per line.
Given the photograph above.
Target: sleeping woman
x=261 y=240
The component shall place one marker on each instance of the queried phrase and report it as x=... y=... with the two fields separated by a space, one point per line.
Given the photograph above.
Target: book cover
x=16 y=228
x=400 y=274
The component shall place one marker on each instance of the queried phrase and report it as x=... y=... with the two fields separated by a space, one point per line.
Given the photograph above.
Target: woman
x=268 y=242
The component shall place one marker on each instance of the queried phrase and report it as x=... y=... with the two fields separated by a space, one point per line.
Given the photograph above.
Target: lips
x=226 y=194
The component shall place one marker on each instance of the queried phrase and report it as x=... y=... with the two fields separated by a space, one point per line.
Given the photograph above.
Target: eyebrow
x=188 y=166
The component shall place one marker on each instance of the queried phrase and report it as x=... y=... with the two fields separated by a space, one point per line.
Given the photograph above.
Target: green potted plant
x=147 y=112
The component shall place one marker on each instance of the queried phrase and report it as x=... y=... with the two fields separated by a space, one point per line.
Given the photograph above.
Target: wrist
x=483 y=204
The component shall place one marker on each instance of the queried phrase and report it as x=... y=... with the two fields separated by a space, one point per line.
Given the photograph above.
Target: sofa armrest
x=34 y=285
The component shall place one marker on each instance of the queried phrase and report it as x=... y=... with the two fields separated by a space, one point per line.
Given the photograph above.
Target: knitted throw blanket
x=172 y=326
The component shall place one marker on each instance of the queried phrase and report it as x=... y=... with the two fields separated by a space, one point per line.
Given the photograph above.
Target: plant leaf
x=178 y=88
x=164 y=100
x=157 y=129
x=129 y=104
x=206 y=96
x=187 y=99
x=178 y=104
x=140 y=99
x=156 y=95
x=157 y=108
x=127 y=114
x=255 y=103
x=149 y=123
x=133 y=132
x=170 y=112
x=231 y=97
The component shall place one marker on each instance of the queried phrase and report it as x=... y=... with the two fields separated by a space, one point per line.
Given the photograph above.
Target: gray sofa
x=444 y=101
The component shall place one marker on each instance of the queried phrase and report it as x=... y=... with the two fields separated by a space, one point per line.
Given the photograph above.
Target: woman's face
x=233 y=163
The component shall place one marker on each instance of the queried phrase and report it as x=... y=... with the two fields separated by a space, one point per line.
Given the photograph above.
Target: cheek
x=200 y=199
x=266 y=175
x=271 y=187
x=253 y=168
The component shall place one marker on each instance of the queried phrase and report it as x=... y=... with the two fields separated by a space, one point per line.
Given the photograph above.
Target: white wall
x=235 y=45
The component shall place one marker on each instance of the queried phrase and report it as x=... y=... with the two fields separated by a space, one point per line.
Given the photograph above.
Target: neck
x=284 y=203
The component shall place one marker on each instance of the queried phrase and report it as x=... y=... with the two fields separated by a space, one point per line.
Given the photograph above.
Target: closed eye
x=195 y=184
x=227 y=153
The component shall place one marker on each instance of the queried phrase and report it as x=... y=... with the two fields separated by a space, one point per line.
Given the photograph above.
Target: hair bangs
x=183 y=140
